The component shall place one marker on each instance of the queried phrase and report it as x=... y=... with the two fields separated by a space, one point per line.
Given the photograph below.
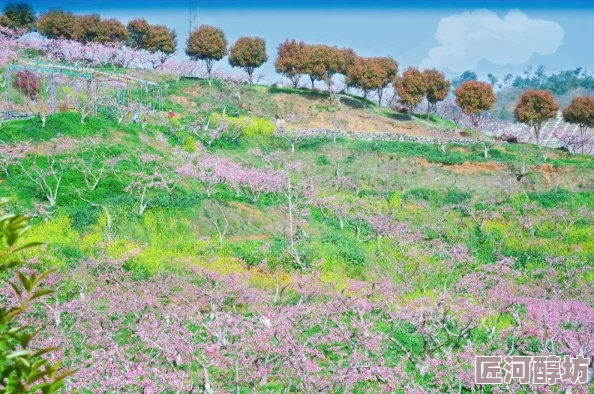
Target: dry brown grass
x=421 y=162
x=194 y=91
x=183 y=101
x=246 y=209
x=346 y=119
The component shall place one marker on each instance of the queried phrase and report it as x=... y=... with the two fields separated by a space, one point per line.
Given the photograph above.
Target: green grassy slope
x=454 y=198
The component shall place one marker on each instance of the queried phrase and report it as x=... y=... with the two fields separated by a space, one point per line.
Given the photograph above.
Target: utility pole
x=194 y=18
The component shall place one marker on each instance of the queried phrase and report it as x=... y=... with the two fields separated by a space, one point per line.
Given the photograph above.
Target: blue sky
x=308 y=4
x=485 y=36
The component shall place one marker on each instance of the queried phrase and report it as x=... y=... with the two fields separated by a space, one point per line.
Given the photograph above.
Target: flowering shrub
x=256 y=127
x=28 y=83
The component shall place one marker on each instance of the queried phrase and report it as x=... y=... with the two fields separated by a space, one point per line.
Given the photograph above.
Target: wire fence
x=41 y=89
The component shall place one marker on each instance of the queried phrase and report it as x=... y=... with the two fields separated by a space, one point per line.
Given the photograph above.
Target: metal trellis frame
x=147 y=92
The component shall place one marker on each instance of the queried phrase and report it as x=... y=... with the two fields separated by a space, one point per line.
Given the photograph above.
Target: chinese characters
x=525 y=369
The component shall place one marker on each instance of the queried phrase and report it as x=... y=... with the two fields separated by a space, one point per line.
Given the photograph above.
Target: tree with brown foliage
x=57 y=24
x=333 y=61
x=208 y=44
x=349 y=59
x=248 y=53
x=325 y=61
x=363 y=75
x=162 y=42
x=87 y=28
x=580 y=112
x=410 y=87
x=474 y=98
x=388 y=68
x=112 y=32
x=438 y=87
x=139 y=32
x=156 y=39
x=534 y=108
x=316 y=63
x=373 y=73
x=292 y=60
x=18 y=16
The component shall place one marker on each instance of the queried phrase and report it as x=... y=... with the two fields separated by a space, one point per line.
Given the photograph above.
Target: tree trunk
x=583 y=131
x=237 y=389
x=207 y=385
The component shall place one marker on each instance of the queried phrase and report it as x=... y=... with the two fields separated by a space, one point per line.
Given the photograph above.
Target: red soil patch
x=183 y=101
x=467 y=168
x=422 y=162
x=551 y=169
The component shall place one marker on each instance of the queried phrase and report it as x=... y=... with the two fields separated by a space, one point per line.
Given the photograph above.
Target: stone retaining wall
x=368 y=136
x=13 y=115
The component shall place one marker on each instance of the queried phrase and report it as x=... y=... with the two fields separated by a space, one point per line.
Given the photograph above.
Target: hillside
x=214 y=261
x=303 y=108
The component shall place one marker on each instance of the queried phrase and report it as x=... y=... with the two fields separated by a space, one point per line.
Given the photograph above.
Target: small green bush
x=83 y=216
x=552 y=198
x=251 y=252
x=456 y=196
x=190 y=144
x=428 y=195
x=348 y=250
x=322 y=160
x=70 y=254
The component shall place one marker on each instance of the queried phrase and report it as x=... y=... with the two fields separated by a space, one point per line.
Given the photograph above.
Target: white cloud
x=467 y=38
